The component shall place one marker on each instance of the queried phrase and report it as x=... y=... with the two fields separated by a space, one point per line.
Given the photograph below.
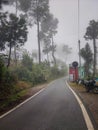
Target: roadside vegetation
x=19 y=69
x=15 y=81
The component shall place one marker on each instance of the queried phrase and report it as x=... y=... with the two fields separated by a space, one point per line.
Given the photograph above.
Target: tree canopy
x=3 y=2
x=87 y=55
x=92 y=34
x=13 y=32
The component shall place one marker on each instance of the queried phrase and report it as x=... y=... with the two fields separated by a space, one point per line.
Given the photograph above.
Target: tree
x=47 y=47
x=87 y=55
x=40 y=9
x=49 y=29
x=3 y=17
x=23 y=5
x=3 y=2
x=27 y=61
x=92 y=34
x=15 y=32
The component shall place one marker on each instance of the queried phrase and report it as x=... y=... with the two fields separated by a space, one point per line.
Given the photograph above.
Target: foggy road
x=55 y=108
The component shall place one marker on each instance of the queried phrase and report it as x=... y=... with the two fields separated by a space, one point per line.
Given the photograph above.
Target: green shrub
x=23 y=73
x=2 y=69
x=38 y=74
x=7 y=84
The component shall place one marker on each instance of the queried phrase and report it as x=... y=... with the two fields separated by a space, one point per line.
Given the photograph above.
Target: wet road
x=53 y=109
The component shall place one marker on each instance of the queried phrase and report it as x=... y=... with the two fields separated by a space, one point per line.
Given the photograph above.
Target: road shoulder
x=90 y=100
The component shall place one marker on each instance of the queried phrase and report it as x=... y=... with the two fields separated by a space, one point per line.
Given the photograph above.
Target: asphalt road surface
x=55 y=108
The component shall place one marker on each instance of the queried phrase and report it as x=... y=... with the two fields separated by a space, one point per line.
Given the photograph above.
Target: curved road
x=55 y=108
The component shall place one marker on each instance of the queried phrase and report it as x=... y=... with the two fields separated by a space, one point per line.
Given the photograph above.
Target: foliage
x=2 y=69
x=3 y=17
x=27 y=61
x=5 y=2
x=13 y=32
x=49 y=25
x=49 y=29
x=67 y=50
x=57 y=72
x=7 y=83
x=87 y=55
x=39 y=11
x=24 y=5
x=92 y=34
x=23 y=74
x=47 y=47
x=39 y=73
x=92 y=30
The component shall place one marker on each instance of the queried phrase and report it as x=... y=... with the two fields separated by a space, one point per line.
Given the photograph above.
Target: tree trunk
x=38 y=25
x=15 y=45
x=15 y=55
x=53 y=52
x=9 y=58
x=48 y=58
x=39 y=50
x=94 y=65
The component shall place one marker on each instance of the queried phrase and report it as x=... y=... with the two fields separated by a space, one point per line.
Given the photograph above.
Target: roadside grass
x=21 y=90
x=76 y=86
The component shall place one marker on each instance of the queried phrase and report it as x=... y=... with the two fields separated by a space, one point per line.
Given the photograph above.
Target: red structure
x=73 y=73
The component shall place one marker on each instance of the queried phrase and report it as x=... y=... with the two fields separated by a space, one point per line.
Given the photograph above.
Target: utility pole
x=79 y=38
x=79 y=32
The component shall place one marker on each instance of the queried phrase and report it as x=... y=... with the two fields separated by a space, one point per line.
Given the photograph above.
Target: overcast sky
x=67 y=13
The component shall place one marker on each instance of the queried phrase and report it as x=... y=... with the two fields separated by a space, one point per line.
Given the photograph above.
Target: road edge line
x=5 y=114
x=84 y=111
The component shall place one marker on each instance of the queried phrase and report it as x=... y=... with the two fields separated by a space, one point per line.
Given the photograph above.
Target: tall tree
x=87 y=55
x=15 y=32
x=47 y=47
x=49 y=28
x=92 y=34
x=38 y=9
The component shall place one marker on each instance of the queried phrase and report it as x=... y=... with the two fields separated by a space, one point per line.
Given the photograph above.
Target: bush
x=54 y=72
x=38 y=74
x=2 y=69
x=7 y=84
x=23 y=74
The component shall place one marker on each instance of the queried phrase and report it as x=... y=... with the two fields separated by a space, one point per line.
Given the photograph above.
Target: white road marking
x=21 y=103
x=85 y=114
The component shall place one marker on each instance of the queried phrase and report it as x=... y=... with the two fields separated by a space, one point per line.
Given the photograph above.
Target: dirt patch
x=90 y=99
x=34 y=90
